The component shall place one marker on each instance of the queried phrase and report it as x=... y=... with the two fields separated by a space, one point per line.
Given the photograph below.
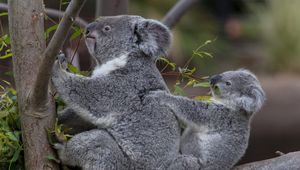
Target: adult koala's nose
x=90 y=29
x=215 y=79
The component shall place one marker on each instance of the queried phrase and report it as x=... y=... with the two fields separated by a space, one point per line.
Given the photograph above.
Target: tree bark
x=177 y=11
x=111 y=7
x=32 y=66
x=290 y=161
x=40 y=88
x=26 y=26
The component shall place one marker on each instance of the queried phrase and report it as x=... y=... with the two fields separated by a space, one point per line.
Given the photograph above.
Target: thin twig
x=76 y=49
x=1 y=26
x=40 y=89
x=177 y=11
x=178 y=74
x=53 y=13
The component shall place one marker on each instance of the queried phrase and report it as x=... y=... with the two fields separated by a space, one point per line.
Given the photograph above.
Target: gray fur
x=138 y=128
x=116 y=102
x=217 y=131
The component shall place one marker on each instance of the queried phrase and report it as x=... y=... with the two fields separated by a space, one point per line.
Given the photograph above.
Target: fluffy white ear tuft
x=152 y=37
x=254 y=102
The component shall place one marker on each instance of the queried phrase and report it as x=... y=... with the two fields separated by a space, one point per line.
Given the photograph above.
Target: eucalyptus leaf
x=202 y=84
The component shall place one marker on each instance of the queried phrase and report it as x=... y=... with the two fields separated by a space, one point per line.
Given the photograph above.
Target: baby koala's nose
x=215 y=79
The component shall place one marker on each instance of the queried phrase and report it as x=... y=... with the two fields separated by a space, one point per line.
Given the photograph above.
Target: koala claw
x=62 y=60
x=58 y=146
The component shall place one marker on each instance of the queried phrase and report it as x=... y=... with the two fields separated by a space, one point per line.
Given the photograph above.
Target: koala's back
x=144 y=130
x=148 y=134
x=219 y=145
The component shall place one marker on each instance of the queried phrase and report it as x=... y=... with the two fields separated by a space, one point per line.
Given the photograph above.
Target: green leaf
x=208 y=42
x=190 y=83
x=16 y=154
x=6 y=82
x=3 y=113
x=178 y=90
x=76 y=33
x=12 y=136
x=5 y=39
x=164 y=59
x=168 y=62
x=9 y=73
x=73 y=69
x=207 y=54
x=6 y=56
x=84 y=73
x=49 y=30
x=202 y=84
x=205 y=98
x=3 y=14
x=1 y=87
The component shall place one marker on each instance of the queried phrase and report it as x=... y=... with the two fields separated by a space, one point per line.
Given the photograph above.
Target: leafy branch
x=186 y=75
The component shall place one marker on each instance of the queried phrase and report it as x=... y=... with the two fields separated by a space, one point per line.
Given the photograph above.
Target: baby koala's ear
x=152 y=37
x=252 y=103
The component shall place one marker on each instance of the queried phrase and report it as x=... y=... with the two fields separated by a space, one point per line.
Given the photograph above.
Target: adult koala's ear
x=152 y=37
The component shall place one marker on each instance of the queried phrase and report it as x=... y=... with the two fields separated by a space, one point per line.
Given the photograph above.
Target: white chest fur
x=110 y=66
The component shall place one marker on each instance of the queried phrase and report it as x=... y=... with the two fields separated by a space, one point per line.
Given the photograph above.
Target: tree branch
x=40 y=90
x=177 y=11
x=52 y=13
x=111 y=7
x=289 y=161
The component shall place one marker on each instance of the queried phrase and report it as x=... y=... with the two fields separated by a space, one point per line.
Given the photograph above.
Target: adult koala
x=134 y=132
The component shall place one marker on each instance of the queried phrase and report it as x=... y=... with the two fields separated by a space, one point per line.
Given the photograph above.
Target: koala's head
x=110 y=37
x=240 y=89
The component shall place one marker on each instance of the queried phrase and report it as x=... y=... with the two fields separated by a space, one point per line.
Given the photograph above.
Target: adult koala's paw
x=59 y=67
x=62 y=60
x=60 y=148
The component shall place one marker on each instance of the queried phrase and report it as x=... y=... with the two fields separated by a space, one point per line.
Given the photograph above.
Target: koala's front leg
x=189 y=110
x=59 y=74
x=76 y=91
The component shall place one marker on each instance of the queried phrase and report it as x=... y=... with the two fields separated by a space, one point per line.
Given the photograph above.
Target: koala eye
x=228 y=83
x=106 y=28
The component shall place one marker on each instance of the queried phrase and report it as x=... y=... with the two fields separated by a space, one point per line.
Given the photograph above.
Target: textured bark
x=111 y=7
x=177 y=11
x=32 y=65
x=26 y=26
x=290 y=161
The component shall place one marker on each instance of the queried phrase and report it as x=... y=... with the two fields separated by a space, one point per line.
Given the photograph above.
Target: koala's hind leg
x=93 y=150
x=185 y=162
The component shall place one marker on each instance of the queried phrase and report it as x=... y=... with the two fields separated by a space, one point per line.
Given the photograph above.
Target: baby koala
x=217 y=131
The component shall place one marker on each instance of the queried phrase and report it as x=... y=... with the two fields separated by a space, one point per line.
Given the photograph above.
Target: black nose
x=90 y=28
x=214 y=79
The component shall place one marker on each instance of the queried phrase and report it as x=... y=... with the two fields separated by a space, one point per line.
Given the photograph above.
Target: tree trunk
x=26 y=26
